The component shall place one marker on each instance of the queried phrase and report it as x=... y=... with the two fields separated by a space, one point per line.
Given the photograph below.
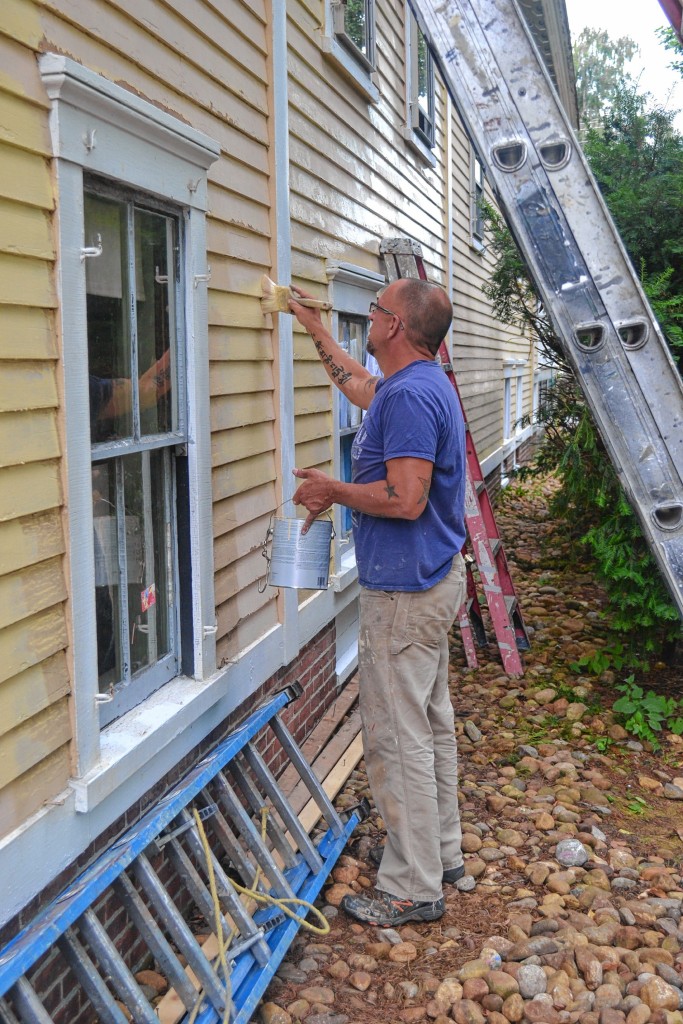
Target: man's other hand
x=315 y=493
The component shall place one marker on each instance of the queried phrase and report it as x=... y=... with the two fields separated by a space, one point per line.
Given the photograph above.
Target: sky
x=638 y=19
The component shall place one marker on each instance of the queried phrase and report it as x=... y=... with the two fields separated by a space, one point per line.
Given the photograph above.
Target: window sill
x=478 y=246
x=348 y=573
x=132 y=741
x=418 y=146
x=365 y=82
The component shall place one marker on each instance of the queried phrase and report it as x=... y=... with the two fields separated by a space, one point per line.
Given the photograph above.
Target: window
x=352 y=289
x=477 y=201
x=420 y=80
x=353 y=332
x=137 y=418
x=349 y=42
x=354 y=27
x=132 y=195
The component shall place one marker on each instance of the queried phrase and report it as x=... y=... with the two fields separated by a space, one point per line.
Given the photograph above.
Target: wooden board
x=321 y=734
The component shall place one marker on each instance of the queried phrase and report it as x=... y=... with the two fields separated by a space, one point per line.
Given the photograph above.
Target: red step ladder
x=403 y=258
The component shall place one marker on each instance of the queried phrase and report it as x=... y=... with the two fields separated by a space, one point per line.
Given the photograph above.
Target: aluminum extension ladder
x=403 y=258
x=554 y=209
x=158 y=871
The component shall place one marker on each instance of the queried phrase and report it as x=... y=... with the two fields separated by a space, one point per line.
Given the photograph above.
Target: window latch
x=91 y=251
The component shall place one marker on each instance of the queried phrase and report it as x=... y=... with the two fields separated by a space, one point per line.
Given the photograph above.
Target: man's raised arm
x=352 y=379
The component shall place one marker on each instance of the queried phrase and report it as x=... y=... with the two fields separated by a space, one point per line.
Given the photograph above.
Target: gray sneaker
x=387 y=911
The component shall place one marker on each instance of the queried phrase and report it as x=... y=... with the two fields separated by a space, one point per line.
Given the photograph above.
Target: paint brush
x=276 y=298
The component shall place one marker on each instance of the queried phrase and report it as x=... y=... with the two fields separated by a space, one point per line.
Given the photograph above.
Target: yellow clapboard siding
x=306 y=428
x=252 y=628
x=30 y=539
x=238 y=311
x=230 y=445
x=238 y=378
x=19 y=73
x=30 y=641
x=234 y=276
x=31 y=791
x=310 y=400
x=238 y=244
x=28 y=385
x=233 y=512
x=28 y=489
x=240 y=574
x=244 y=211
x=30 y=590
x=242 y=609
x=27 y=437
x=242 y=476
x=25 y=231
x=309 y=374
x=26 y=282
x=242 y=541
x=25 y=178
x=27 y=333
x=234 y=342
x=228 y=411
x=20 y=21
x=25 y=695
x=213 y=39
x=23 y=124
x=123 y=52
x=30 y=742
x=315 y=453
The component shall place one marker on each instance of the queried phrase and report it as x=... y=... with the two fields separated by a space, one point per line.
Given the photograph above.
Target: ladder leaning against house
x=403 y=258
x=553 y=207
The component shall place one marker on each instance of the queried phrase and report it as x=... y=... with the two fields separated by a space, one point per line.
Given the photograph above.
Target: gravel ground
x=570 y=910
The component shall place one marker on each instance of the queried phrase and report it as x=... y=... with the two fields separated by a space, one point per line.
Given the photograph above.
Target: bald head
x=426 y=311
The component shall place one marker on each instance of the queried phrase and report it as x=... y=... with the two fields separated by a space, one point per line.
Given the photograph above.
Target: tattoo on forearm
x=426 y=484
x=391 y=491
x=370 y=383
x=338 y=374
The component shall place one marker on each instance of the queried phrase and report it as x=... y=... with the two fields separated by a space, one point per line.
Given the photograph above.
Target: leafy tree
x=600 y=68
x=636 y=155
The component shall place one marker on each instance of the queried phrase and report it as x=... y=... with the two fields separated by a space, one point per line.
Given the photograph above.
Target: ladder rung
x=83 y=968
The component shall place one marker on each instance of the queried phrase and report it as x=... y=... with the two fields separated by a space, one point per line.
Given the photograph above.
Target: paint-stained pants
x=409 y=732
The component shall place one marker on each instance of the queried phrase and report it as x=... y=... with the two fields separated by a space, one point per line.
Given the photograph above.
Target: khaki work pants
x=409 y=732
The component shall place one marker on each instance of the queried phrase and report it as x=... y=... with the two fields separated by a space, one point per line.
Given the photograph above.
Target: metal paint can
x=301 y=562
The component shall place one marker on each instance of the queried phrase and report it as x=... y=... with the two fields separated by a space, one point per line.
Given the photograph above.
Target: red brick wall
x=315 y=671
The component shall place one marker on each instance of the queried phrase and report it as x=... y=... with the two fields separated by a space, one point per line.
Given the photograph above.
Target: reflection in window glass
x=352 y=337
x=354 y=26
x=424 y=88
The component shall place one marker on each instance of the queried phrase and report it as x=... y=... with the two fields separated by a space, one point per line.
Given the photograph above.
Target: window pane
x=147 y=556
x=155 y=297
x=423 y=75
x=107 y=586
x=108 y=326
x=356 y=24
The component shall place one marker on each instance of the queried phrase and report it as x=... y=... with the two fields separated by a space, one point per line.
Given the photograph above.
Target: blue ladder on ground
x=226 y=828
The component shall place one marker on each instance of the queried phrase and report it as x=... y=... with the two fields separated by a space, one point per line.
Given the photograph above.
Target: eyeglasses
x=376 y=308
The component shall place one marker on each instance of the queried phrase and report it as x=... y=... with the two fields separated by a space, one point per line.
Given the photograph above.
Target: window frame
x=128 y=693
x=477 y=190
x=352 y=289
x=422 y=139
x=340 y=49
x=102 y=129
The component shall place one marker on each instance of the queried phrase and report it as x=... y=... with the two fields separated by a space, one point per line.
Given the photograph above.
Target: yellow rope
x=282 y=902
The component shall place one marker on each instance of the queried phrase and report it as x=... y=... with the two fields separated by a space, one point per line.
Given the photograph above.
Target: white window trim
x=99 y=127
x=356 y=70
x=352 y=289
x=413 y=137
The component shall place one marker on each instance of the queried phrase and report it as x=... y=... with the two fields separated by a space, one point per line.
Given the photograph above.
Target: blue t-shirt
x=415 y=414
